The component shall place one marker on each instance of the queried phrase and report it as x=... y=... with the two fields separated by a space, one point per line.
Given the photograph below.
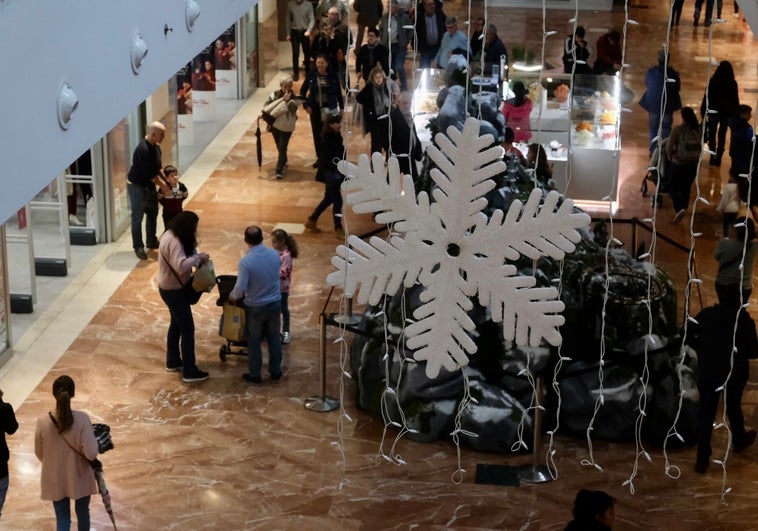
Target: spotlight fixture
x=191 y=12
x=138 y=52
x=67 y=104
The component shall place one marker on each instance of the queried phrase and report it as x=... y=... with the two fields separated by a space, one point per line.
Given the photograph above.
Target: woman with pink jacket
x=65 y=444
x=517 y=111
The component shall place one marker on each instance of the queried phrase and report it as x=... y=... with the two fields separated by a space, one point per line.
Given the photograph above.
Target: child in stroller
x=657 y=173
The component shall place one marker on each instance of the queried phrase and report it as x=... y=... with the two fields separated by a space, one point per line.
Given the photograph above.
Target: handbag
x=103 y=436
x=94 y=463
x=232 y=326
x=204 y=278
x=193 y=296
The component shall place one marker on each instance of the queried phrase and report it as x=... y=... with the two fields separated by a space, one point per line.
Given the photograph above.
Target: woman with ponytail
x=65 y=444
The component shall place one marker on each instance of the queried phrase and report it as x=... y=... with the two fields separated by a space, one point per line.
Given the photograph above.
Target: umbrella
x=258 y=148
x=105 y=495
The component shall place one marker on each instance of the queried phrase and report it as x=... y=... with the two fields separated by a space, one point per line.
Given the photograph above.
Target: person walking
x=369 y=15
x=333 y=150
x=398 y=36
x=299 y=25
x=286 y=246
x=177 y=256
x=729 y=206
x=145 y=173
x=661 y=98
x=258 y=284
x=736 y=257
x=65 y=443
x=721 y=95
x=371 y=54
x=377 y=98
x=722 y=369
x=741 y=141
x=430 y=27
x=323 y=98
x=676 y=11
x=683 y=149
x=8 y=425
x=281 y=104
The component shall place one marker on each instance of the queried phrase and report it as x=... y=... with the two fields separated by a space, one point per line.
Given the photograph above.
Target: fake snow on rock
x=448 y=244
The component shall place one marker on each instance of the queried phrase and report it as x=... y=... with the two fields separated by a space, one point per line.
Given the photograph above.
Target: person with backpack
x=683 y=150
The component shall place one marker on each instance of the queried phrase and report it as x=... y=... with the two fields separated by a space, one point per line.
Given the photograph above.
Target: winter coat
x=284 y=112
x=654 y=82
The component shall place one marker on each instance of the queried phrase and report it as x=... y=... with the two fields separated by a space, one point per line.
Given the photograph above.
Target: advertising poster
x=225 y=60
x=184 y=106
x=203 y=78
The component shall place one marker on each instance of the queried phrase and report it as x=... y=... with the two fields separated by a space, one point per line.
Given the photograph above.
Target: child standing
x=287 y=247
x=729 y=205
x=172 y=201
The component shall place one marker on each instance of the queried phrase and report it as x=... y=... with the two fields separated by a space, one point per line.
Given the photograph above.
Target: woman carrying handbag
x=65 y=443
x=176 y=257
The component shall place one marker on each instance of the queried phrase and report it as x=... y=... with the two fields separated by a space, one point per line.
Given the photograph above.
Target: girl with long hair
x=377 y=98
x=177 y=255
x=65 y=443
x=722 y=96
x=286 y=246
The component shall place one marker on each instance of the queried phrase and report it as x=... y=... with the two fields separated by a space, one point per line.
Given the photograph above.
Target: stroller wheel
x=643 y=187
x=223 y=351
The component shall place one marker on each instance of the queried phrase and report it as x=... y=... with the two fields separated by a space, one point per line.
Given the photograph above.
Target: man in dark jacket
x=719 y=366
x=658 y=78
x=430 y=28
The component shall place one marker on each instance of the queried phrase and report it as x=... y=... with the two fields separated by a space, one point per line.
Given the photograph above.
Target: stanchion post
x=536 y=473
x=322 y=403
x=348 y=319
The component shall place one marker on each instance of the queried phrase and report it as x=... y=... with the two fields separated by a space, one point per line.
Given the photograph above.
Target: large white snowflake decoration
x=453 y=250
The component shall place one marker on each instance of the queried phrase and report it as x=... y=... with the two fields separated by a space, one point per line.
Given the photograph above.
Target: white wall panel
x=86 y=43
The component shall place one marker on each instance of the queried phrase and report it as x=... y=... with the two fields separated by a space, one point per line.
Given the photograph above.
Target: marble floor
x=223 y=454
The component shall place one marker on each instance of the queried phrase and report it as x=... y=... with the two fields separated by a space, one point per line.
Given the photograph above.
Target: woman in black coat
x=332 y=151
x=722 y=96
x=377 y=98
x=323 y=96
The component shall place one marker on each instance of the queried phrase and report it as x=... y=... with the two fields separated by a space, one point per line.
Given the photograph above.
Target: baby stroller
x=657 y=173
x=225 y=285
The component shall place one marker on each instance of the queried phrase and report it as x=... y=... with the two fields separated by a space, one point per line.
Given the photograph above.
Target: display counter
x=580 y=134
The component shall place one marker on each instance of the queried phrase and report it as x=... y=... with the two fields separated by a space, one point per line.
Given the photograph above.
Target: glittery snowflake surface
x=452 y=248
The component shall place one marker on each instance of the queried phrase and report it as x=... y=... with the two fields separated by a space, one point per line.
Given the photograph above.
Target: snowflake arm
x=377 y=267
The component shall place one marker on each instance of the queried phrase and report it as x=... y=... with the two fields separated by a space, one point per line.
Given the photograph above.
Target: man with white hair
x=454 y=41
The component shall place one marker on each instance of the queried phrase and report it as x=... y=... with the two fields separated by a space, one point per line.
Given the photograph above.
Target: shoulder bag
x=193 y=296
x=94 y=463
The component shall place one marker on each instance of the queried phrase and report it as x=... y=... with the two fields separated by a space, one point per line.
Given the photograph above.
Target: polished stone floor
x=223 y=454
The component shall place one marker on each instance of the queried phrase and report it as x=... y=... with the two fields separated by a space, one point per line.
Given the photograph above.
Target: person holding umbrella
x=65 y=443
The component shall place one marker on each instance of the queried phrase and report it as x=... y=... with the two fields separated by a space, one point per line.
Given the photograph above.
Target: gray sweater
x=299 y=16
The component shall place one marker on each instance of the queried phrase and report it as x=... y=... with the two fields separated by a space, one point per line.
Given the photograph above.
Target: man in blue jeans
x=146 y=172
x=258 y=283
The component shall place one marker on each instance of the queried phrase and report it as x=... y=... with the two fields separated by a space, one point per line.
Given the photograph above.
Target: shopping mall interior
x=225 y=454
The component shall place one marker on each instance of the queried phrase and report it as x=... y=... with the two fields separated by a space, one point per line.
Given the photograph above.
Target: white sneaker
x=286 y=338
x=73 y=220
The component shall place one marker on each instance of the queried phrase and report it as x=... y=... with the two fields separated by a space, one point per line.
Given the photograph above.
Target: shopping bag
x=204 y=278
x=232 y=323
